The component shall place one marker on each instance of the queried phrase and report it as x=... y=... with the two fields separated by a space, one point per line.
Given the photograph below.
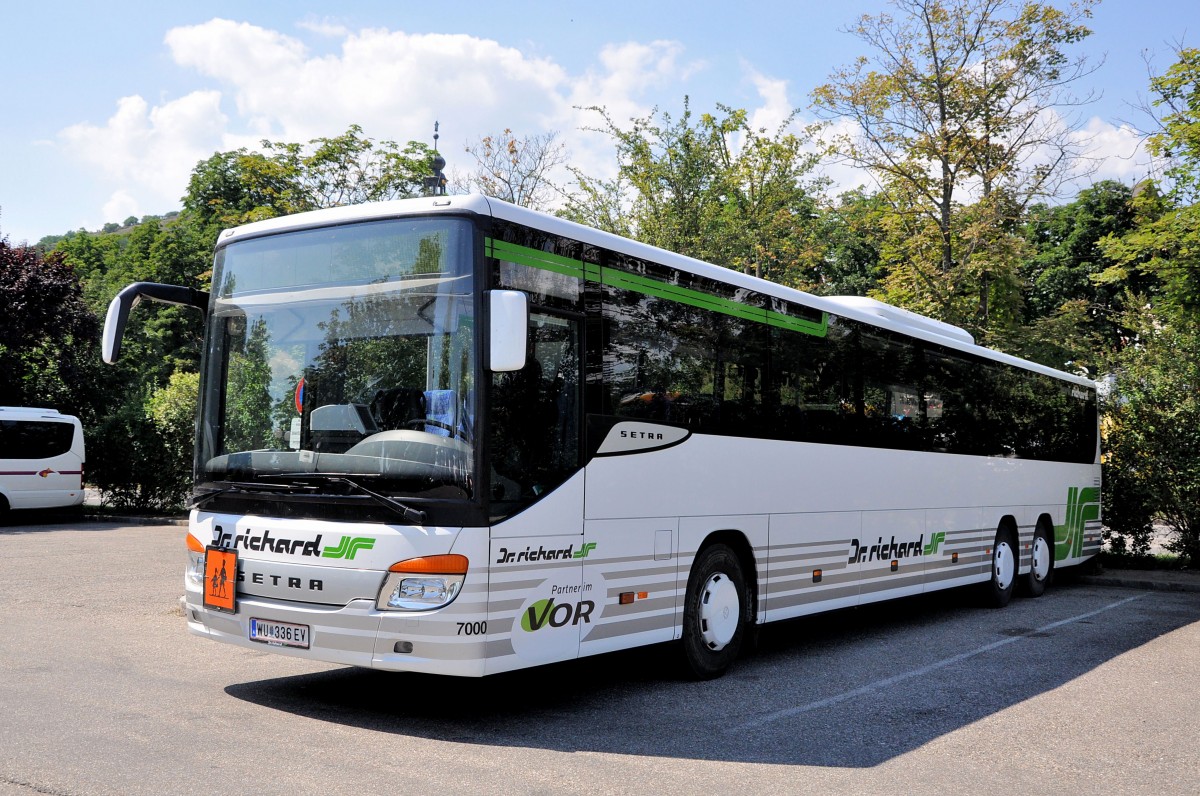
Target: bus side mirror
x=127 y=299
x=508 y=330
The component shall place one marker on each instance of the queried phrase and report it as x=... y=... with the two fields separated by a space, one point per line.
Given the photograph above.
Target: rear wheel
x=1041 y=569
x=716 y=613
x=1004 y=568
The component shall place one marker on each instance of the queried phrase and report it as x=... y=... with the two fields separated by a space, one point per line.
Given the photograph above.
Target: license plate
x=279 y=634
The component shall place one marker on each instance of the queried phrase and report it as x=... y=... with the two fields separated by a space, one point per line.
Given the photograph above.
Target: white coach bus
x=41 y=459
x=456 y=436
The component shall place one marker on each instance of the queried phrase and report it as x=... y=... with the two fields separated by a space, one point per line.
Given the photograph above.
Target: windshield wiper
x=247 y=486
x=411 y=515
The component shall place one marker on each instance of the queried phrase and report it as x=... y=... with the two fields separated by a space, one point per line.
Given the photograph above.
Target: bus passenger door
x=538 y=600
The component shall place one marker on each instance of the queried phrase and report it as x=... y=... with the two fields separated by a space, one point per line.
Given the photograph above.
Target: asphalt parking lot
x=1089 y=689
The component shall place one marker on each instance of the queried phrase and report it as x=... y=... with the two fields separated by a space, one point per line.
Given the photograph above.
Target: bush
x=1152 y=424
x=141 y=454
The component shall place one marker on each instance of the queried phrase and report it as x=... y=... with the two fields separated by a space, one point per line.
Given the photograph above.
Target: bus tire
x=1003 y=579
x=716 y=613
x=1041 y=565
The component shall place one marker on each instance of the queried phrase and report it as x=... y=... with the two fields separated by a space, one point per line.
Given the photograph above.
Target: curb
x=136 y=519
x=1190 y=585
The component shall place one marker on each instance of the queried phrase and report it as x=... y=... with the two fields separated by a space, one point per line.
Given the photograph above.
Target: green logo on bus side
x=935 y=540
x=548 y=612
x=348 y=548
x=1083 y=504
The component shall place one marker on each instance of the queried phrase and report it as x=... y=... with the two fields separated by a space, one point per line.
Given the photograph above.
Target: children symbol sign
x=220 y=573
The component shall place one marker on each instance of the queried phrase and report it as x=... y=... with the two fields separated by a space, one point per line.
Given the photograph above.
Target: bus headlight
x=422 y=584
x=194 y=574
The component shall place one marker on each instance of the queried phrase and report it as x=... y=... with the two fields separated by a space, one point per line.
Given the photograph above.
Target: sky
x=107 y=107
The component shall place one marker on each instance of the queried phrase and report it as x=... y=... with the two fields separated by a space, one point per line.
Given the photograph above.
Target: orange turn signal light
x=449 y=564
x=194 y=545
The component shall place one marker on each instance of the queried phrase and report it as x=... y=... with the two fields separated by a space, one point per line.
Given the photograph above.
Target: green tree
x=1072 y=298
x=129 y=460
x=711 y=187
x=1152 y=440
x=1153 y=421
x=1164 y=246
x=853 y=231
x=238 y=187
x=951 y=116
x=171 y=411
x=1176 y=108
x=48 y=336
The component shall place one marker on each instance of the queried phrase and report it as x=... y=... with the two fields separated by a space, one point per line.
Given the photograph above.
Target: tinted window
x=34 y=440
x=535 y=422
x=685 y=350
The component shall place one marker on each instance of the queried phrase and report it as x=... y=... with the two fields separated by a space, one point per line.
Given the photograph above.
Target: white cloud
x=324 y=27
x=393 y=84
x=120 y=206
x=1118 y=151
x=149 y=151
x=624 y=77
x=776 y=108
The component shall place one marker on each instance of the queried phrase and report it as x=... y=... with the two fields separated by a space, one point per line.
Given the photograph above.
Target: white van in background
x=41 y=459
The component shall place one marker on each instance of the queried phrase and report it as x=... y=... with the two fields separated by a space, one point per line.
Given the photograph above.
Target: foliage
x=172 y=411
x=48 y=335
x=1163 y=252
x=133 y=464
x=852 y=230
x=953 y=104
x=713 y=188
x=1152 y=460
x=1073 y=293
x=238 y=187
x=1178 y=100
x=130 y=463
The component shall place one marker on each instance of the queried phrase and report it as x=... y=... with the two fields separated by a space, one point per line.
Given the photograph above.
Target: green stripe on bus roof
x=533 y=258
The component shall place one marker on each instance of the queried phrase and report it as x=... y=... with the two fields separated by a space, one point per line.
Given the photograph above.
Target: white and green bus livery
x=451 y=435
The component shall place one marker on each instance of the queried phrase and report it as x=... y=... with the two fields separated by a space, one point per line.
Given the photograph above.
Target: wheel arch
x=739 y=543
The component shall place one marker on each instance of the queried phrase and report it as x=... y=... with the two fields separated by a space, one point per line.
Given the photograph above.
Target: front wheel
x=716 y=613
x=1004 y=568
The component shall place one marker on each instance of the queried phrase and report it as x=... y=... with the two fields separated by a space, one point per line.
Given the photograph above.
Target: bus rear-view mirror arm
x=127 y=299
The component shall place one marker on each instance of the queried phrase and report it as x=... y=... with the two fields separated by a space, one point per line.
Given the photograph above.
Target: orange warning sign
x=220 y=578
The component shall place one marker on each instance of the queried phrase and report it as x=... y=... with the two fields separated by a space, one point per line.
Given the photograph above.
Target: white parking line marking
x=879 y=685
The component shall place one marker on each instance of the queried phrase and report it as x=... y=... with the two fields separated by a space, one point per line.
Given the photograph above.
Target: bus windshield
x=344 y=355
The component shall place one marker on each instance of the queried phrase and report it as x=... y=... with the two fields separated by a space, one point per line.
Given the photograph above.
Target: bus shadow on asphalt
x=851 y=688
